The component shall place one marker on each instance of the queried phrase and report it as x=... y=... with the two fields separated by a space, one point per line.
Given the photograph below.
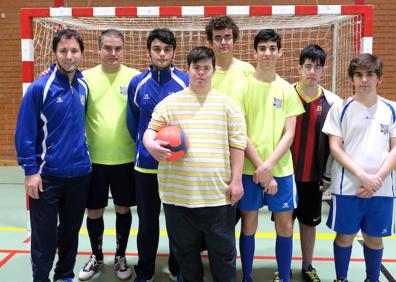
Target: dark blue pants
x=148 y=208
x=187 y=226
x=64 y=199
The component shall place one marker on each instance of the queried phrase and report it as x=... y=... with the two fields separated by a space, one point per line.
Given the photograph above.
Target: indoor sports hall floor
x=15 y=259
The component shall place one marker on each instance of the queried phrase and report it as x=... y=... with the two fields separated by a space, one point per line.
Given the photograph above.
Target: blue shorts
x=254 y=197
x=373 y=215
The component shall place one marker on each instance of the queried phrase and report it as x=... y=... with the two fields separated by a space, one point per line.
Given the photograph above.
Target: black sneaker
x=310 y=275
x=340 y=280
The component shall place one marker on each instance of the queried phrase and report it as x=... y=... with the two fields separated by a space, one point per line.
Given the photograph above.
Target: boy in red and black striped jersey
x=310 y=151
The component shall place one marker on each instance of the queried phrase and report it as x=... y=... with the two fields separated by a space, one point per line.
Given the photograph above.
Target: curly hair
x=219 y=23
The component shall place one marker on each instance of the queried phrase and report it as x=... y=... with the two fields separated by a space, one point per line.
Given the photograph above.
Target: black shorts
x=309 y=209
x=119 y=179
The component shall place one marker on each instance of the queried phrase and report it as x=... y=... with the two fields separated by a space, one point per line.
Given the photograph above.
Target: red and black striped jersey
x=306 y=141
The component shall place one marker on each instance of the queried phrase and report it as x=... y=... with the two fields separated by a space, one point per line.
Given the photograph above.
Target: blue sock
x=246 y=248
x=373 y=259
x=342 y=256
x=283 y=251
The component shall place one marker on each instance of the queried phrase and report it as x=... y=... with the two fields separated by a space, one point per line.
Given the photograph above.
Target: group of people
x=255 y=140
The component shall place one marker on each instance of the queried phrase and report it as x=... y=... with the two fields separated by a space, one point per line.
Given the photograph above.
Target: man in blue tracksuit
x=145 y=91
x=51 y=148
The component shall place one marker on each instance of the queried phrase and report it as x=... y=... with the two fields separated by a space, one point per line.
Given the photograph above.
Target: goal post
x=342 y=30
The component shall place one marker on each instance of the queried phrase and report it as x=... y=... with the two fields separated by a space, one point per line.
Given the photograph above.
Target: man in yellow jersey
x=199 y=191
x=270 y=105
x=112 y=152
x=222 y=33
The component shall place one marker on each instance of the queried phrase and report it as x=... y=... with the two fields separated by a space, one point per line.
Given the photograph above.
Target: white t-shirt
x=366 y=132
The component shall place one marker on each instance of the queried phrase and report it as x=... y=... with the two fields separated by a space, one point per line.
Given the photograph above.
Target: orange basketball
x=177 y=139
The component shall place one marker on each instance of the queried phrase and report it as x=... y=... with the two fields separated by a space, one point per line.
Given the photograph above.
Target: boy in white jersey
x=198 y=191
x=362 y=140
x=270 y=105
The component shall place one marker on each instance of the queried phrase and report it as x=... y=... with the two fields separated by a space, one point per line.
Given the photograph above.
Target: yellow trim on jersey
x=146 y=170
x=308 y=99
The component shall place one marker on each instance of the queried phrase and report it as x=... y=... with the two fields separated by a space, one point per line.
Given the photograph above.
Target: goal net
x=342 y=30
x=339 y=35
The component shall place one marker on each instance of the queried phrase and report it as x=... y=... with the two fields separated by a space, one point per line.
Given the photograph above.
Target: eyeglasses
x=226 y=38
x=309 y=67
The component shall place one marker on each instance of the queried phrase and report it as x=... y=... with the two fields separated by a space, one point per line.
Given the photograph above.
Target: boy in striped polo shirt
x=199 y=191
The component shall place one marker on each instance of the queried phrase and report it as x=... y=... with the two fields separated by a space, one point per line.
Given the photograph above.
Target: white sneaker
x=90 y=268
x=172 y=277
x=123 y=271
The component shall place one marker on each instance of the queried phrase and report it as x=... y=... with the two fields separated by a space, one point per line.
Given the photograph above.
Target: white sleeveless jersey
x=366 y=132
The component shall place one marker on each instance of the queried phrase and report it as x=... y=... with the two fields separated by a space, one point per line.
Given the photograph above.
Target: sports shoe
x=172 y=277
x=90 y=268
x=310 y=275
x=341 y=280
x=276 y=276
x=123 y=271
x=64 y=280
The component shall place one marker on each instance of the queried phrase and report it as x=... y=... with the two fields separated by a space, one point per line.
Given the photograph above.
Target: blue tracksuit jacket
x=145 y=91
x=50 y=132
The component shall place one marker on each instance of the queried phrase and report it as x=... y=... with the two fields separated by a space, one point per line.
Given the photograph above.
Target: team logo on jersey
x=59 y=99
x=319 y=110
x=123 y=91
x=384 y=231
x=277 y=103
x=384 y=128
x=82 y=100
x=146 y=96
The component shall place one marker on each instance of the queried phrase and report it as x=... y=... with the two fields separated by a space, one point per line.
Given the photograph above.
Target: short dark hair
x=367 y=61
x=265 y=35
x=313 y=52
x=67 y=34
x=110 y=32
x=220 y=23
x=201 y=53
x=163 y=34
